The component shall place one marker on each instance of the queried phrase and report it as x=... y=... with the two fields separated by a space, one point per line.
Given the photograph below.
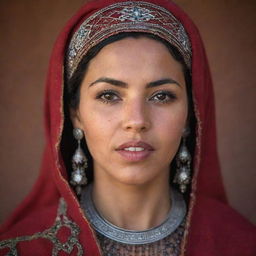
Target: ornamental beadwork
x=135 y=14
x=51 y=234
x=127 y=17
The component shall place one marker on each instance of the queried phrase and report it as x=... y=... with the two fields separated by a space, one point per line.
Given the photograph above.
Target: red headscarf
x=212 y=228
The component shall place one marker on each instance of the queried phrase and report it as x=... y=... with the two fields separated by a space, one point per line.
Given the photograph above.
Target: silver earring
x=183 y=160
x=79 y=164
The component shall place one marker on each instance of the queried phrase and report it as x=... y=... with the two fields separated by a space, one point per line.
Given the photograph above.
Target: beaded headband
x=127 y=17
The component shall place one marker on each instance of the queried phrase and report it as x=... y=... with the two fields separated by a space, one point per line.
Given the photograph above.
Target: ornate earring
x=183 y=160
x=79 y=164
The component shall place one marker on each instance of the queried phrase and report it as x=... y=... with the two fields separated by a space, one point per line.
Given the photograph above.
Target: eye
x=163 y=97
x=108 y=96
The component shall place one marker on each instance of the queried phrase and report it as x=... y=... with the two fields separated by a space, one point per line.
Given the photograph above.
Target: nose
x=136 y=116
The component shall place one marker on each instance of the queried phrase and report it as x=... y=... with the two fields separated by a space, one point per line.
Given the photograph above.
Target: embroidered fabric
x=51 y=234
x=168 y=246
x=212 y=227
x=132 y=16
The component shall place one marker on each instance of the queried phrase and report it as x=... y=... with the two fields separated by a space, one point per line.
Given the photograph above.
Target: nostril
x=135 y=117
x=138 y=127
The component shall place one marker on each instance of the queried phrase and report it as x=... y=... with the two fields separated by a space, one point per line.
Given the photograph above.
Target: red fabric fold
x=213 y=229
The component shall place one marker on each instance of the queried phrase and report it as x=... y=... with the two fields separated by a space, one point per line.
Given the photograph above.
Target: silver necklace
x=104 y=227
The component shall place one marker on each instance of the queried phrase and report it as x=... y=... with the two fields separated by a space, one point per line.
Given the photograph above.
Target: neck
x=133 y=207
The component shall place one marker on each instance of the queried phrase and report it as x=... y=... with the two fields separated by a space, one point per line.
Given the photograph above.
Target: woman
x=136 y=85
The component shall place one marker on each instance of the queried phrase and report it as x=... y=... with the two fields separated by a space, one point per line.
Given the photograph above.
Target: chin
x=135 y=177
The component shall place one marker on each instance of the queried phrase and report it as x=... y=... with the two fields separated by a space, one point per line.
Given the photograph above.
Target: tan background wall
x=28 y=30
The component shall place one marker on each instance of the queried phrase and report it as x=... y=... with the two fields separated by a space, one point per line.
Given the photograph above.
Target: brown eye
x=163 y=97
x=108 y=96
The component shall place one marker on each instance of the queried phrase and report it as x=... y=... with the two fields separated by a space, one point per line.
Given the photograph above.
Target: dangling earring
x=183 y=160
x=79 y=164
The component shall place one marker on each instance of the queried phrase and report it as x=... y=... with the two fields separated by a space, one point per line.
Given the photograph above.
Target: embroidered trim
x=127 y=17
x=51 y=234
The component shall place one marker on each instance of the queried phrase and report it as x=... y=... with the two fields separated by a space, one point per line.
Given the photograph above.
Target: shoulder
x=43 y=230
x=219 y=229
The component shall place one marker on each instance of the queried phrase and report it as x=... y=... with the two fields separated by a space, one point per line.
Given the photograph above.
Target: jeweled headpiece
x=132 y=16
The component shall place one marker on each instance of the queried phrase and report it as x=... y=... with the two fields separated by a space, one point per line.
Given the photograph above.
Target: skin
x=146 y=100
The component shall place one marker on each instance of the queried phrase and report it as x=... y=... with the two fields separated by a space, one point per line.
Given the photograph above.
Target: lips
x=135 y=151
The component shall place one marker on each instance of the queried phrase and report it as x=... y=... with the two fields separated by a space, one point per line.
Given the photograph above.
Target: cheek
x=98 y=124
x=169 y=125
x=95 y=134
x=173 y=118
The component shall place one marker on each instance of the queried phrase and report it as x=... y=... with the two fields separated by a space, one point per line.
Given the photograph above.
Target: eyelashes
x=158 y=97
x=163 y=97
x=108 y=96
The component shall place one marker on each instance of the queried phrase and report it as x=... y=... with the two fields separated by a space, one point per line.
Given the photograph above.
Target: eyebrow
x=161 y=82
x=110 y=81
x=122 y=84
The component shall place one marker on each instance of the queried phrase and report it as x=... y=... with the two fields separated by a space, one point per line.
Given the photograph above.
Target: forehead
x=134 y=55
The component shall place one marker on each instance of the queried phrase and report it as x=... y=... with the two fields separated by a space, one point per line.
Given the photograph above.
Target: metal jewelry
x=131 y=237
x=183 y=160
x=79 y=164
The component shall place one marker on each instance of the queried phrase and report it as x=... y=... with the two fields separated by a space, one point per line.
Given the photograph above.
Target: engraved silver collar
x=104 y=227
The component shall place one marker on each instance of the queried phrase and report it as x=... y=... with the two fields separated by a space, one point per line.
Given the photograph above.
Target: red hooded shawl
x=50 y=220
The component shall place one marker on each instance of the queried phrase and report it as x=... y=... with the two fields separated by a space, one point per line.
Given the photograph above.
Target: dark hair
x=72 y=94
x=73 y=84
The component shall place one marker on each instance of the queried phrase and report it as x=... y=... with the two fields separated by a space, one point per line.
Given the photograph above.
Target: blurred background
x=28 y=31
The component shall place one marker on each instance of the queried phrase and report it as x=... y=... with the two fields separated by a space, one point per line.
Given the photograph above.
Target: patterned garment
x=168 y=246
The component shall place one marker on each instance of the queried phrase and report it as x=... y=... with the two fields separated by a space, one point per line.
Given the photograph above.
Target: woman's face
x=133 y=108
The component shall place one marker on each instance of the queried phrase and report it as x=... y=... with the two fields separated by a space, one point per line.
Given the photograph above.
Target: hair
x=73 y=84
x=72 y=95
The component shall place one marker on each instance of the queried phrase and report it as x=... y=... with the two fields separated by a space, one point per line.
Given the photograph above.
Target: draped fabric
x=44 y=223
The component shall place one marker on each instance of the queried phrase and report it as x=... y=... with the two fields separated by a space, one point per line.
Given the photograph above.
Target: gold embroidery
x=51 y=234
